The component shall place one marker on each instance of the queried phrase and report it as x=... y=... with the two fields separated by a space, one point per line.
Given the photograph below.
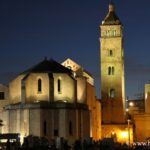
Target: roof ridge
x=111 y=17
x=47 y=66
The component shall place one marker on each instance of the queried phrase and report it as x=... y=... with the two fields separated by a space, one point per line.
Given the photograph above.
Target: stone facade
x=49 y=100
x=147 y=98
x=112 y=69
x=90 y=94
x=141 y=117
x=95 y=113
x=114 y=124
x=48 y=120
x=4 y=96
x=142 y=127
x=30 y=90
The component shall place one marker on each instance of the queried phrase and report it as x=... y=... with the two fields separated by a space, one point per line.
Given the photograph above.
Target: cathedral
x=59 y=100
x=52 y=100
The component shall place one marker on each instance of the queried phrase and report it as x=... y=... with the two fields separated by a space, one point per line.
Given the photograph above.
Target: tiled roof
x=47 y=66
x=111 y=19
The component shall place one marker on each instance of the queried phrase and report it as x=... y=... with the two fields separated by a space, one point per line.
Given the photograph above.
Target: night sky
x=61 y=29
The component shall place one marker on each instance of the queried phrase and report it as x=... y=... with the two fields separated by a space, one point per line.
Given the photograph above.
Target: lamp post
x=129 y=131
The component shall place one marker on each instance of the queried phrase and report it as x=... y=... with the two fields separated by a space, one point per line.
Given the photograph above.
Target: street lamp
x=129 y=131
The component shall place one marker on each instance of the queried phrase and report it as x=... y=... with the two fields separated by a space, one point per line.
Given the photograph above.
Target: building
x=135 y=106
x=4 y=96
x=132 y=124
x=140 y=113
x=50 y=100
x=114 y=123
x=92 y=102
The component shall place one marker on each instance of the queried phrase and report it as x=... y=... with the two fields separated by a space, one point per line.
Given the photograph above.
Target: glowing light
x=124 y=134
x=21 y=138
x=146 y=96
x=74 y=74
x=131 y=104
x=36 y=101
x=127 y=110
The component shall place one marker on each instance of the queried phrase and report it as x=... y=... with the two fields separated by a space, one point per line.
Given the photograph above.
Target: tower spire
x=111 y=17
x=111 y=6
x=112 y=80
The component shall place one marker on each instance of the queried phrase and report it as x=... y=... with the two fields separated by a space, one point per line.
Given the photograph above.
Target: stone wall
x=142 y=127
x=4 y=100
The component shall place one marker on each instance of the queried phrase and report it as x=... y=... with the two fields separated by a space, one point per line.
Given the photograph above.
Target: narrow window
x=112 y=93
x=110 y=53
x=109 y=70
x=39 y=85
x=114 y=33
x=2 y=95
x=70 y=128
x=45 y=128
x=55 y=132
x=59 y=86
x=113 y=70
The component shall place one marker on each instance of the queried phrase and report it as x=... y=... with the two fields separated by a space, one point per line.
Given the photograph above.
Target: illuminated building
x=112 y=77
x=50 y=100
x=4 y=96
x=93 y=104
x=140 y=113
x=135 y=106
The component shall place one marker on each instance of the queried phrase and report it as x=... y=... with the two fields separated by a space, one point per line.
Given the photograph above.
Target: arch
x=39 y=85
x=112 y=93
x=109 y=70
x=110 y=52
x=113 y=70
x=59 y=85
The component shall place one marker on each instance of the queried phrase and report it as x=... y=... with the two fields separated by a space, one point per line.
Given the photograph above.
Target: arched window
x=113 y=70
x=109 y=70
x=39 y=85
x=70 y=128
x=112 y=93
x=110 y=53
x=114 y=33
x=56 y=132
x=59 y=85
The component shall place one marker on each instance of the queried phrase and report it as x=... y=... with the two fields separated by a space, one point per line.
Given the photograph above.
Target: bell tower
x=112 y=68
